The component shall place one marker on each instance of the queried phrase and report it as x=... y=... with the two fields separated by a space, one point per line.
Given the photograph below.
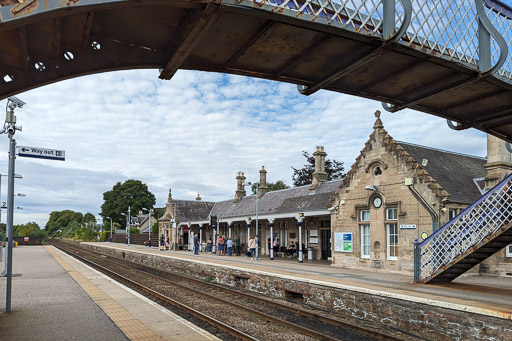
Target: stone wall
x=410 y=315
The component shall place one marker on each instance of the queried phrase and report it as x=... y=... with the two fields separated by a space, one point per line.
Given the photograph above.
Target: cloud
x=193 y=134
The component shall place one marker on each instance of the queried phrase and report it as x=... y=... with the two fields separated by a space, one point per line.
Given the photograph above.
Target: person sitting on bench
x=290 y=251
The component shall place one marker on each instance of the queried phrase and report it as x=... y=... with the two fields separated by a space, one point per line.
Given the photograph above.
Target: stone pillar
x=262 y=187
x=319 y=175
x=498 y=161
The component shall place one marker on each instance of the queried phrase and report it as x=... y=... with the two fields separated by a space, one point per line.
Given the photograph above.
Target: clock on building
x=377 y=202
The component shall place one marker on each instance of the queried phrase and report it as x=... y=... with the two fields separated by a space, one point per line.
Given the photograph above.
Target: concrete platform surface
x=485 y=295
x=55 y=297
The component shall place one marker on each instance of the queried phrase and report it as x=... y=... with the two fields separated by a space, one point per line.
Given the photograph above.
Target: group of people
x=164 y=243
x=225 y=245
x=293 y=249
x=228 y=245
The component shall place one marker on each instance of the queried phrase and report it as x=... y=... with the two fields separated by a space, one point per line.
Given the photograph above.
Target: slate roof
x=454 y=172
x=291 y=200
x=193 y=210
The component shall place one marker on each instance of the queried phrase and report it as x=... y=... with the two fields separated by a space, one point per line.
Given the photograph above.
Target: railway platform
x=487 y=295
x=55 y=297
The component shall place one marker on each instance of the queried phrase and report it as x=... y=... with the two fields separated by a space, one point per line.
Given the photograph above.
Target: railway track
x=241 y=315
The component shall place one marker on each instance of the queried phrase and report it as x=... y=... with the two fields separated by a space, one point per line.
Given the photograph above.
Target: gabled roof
x=450 y=174
x=192 y=210
x=291 y=200
x=454 y=172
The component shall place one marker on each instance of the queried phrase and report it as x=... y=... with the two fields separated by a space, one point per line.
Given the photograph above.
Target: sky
x=192 y=134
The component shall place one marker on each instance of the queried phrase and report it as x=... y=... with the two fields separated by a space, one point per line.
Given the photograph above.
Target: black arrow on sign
x=25 y=149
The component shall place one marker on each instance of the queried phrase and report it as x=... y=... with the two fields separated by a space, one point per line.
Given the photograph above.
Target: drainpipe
x=433 y=214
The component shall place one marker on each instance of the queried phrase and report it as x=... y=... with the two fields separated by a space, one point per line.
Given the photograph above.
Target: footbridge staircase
x=477 y=233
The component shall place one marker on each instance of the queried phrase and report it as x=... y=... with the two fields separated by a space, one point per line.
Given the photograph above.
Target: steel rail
x=214 y=322
x=324 y=319
x=193 y=311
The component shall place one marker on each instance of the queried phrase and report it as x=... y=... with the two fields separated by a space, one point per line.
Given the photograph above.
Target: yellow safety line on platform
x=131 y=327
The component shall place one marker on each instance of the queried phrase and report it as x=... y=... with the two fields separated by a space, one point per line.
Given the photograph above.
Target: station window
x=392 y=213
x=365 y=240
x=392 y=241
x=452 y=213
x=508 y=251
x=365 y=215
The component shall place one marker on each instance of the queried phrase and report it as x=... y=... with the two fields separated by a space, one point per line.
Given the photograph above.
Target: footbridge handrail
x=487 y=216
x=475 y=33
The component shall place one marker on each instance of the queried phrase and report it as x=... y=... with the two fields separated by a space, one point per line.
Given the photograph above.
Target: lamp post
x=16 y=176
x=10 y=128
x=110 y=228
x=4 y=273
x=258 y=242
x=150 y=211
x=127 y=226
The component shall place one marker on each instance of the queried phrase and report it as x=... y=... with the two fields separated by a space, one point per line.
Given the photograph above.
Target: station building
x=397 y=192
x=394 y=193
x=297 y=214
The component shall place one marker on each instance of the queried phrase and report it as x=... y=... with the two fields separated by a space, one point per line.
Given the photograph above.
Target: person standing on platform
x=237 y=245
x=252 y=247
x=276 y=246
x=210 y=243
x=230 y=246
x=162 y=243
x=167 y=243
x=269 y=245
x=220 y=242
x=196 y=244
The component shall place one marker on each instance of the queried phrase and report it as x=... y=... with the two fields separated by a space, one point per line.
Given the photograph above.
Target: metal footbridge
x=445 y=58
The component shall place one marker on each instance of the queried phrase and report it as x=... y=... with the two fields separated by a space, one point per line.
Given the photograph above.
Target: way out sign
x=41 y=153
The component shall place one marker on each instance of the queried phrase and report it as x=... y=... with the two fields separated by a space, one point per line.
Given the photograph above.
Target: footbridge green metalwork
x=445 y=58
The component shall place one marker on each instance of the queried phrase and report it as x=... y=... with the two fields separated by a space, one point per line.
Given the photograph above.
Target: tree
x=29 y=230
x=89 y=219
x=304 y=175
x=133 y=194
x=272 y=186
x=61 y=219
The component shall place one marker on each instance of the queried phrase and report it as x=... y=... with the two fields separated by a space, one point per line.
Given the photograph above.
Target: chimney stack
x=498 y=161
x=240 y=189
x=198 y=198
x=319 y=175
x=262 y=187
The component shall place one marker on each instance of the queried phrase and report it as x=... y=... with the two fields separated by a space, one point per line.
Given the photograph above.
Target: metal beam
x=438 y=92
x=195 y=30
x=56 y=37
x=87 y=28
x=345 y=69
x=260 y=32
x=475 y=99
x=503 y=114
x=294 y=60
x=22 y=43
